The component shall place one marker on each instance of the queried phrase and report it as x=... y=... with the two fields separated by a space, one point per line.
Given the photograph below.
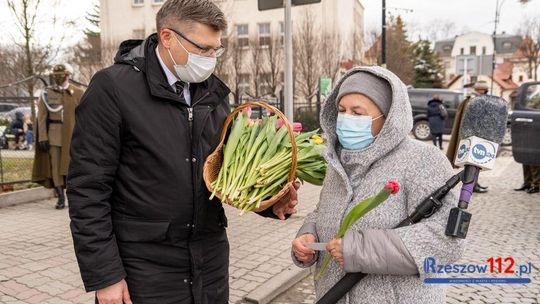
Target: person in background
x=531 y=177
x=29 y=132
x=55 y=121
x=17 y=128
x=480 y=88
x=436 y=116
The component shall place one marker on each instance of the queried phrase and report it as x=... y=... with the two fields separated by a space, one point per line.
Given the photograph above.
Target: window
x=484 y=50
x=158 y=1
x=264 y=34
x=244 y=83
x=507 y=45
x=533 y=97
x=242 y=32
x=520 y=78
x=462 y=51
x=138 y=2
x=447 y=48
x=472 y=50
x=138 y=34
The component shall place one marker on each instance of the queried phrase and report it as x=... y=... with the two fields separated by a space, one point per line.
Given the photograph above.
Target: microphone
x=482 y=130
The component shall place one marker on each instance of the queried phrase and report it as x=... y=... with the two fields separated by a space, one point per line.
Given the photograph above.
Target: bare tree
x=275 y=61
x=530 y=47
x=37 y=57
x=307 y=57
x=372 y=38
x=357 y=47
x=330 y=55
x=237 y=62
x=440 y=30
x=256 y=67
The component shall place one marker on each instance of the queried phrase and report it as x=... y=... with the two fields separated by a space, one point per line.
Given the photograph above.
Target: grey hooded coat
x=372 y=245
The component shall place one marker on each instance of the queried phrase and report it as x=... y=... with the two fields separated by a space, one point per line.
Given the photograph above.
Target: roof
x=504 y=44
x=503 y=76
x=453 y=80
x=443 y=48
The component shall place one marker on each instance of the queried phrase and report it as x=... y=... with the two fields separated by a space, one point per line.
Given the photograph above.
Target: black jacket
x=135 y=177
x=435 y=118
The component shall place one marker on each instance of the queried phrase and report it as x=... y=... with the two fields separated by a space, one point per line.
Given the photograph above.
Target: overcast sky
x=467 y=15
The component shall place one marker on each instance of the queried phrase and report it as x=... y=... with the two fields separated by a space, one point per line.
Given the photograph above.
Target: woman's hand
x=301 y=252
x=335 y=247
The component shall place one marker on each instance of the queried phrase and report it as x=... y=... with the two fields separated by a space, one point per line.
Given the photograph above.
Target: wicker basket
x=213 y=163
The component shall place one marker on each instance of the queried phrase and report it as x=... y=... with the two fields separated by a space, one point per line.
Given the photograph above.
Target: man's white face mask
x=197 y=68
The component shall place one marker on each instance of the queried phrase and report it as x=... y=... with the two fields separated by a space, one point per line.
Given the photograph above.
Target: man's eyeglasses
x=204 y=51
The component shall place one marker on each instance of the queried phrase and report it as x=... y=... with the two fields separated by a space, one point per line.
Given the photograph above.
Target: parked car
x=451 y=100
x=6 y=107
x=525 y=120
x=10 y=115
x=419 y=101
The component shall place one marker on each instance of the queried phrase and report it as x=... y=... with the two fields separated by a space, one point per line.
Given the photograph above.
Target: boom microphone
x=482 y=130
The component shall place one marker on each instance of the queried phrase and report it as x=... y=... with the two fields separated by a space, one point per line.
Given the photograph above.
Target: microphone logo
x=463 y=149
x=477 y=152
x=484 y=152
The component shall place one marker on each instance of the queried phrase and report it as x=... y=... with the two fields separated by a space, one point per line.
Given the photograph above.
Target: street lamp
x=493 y=59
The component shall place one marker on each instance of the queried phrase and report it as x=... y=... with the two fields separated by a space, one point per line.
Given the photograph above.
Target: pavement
x=38 y=265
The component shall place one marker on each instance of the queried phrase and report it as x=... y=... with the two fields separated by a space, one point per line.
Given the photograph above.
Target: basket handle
x=286 y=123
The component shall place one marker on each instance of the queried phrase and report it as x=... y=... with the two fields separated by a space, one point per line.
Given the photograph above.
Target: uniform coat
x=57 y=134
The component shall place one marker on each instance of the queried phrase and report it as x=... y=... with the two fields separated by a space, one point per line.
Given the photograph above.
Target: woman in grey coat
x=367 y=120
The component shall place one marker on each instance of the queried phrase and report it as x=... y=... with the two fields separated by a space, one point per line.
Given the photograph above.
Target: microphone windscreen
x=485 y=117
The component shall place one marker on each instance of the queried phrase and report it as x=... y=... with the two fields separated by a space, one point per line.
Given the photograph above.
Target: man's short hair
x=175 y=12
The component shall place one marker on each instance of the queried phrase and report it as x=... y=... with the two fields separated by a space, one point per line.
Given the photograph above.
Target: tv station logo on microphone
x=477 y=152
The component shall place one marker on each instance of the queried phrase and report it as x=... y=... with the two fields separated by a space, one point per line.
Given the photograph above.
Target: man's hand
x=300 y=251
x=335 y=247
x=115 y=294
x=287 y=205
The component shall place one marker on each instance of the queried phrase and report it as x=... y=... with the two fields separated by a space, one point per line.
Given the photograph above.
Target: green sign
x=325 y=87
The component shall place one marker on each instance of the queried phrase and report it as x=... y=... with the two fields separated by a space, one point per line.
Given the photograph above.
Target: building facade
x=344 y=19
x=468 y=58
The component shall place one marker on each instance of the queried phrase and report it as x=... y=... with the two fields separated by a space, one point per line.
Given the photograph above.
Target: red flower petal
x=393 y=186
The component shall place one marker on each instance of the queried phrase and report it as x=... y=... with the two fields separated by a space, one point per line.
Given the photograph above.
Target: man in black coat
x=143 y=226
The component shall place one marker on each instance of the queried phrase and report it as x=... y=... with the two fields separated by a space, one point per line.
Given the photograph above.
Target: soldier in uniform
x=54 y=126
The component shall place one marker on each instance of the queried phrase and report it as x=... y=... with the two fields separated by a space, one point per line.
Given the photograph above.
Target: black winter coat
x=137 y=201
x=436 y=121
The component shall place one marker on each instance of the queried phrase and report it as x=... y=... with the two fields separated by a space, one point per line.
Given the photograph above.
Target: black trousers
x=437 y=137
x=194 y=272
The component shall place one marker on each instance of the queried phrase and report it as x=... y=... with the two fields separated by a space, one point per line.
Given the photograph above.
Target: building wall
x=473 y=40
x=127 y=19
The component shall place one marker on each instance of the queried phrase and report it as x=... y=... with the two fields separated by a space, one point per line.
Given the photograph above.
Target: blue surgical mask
x=354 y=132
